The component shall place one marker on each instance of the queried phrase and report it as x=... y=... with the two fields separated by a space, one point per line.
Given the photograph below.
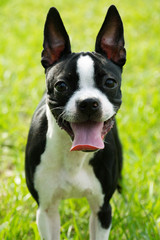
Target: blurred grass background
x=136 y=214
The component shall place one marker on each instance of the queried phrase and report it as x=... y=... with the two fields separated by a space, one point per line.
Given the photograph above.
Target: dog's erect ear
x=110 y=39
x=56 y=41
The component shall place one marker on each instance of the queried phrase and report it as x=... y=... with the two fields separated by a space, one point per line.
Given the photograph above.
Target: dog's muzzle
x=86 y=129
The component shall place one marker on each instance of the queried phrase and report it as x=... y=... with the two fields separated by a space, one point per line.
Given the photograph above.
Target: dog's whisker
x=56 y=108
x=105 y=142
x=61 y=117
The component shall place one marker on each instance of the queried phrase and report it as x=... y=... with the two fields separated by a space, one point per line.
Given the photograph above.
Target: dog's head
x=83 y=89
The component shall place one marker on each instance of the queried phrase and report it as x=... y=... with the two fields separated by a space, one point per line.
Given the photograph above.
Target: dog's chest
x=63 y=174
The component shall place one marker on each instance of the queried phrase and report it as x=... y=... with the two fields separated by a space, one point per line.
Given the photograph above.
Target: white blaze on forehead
x=85 y=70
x=87 y=89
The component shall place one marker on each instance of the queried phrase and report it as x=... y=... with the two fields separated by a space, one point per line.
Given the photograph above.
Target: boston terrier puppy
x=73 y=148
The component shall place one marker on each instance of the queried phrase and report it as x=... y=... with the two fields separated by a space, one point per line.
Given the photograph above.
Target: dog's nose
x=89 y=105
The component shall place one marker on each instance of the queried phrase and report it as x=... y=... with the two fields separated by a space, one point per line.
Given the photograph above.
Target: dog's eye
x=61 y=86
x=110 y=83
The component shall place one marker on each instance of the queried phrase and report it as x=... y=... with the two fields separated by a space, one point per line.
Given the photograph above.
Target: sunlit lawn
x=136 y=213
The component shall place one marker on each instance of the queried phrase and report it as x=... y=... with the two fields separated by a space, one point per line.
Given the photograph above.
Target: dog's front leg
x=48 y=222
x=100 y=224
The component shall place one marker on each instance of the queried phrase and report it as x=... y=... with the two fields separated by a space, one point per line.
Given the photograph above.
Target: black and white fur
x=53 y=172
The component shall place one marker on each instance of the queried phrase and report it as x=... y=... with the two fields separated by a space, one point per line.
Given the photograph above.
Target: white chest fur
x=63 y=174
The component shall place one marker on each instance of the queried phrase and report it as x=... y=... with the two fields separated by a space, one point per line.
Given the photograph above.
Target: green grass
x=137 y=212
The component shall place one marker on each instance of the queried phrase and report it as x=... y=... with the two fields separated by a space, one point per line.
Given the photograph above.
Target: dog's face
x=83 y=89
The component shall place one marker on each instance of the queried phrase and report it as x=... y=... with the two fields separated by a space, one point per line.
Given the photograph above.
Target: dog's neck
x=60 y=141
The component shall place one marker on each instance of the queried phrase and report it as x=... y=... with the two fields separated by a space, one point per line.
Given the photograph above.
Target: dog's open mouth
x=87 y=136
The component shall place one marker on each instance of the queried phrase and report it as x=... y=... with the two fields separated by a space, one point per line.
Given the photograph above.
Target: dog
x=73 y=148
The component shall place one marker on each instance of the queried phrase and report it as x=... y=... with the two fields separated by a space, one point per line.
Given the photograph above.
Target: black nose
x=89 y=105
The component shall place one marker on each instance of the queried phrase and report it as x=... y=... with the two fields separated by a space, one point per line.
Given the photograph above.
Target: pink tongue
x=87 y=136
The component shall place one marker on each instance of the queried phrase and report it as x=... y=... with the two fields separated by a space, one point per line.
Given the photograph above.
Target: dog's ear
x=56 y=40
x=110 y=39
